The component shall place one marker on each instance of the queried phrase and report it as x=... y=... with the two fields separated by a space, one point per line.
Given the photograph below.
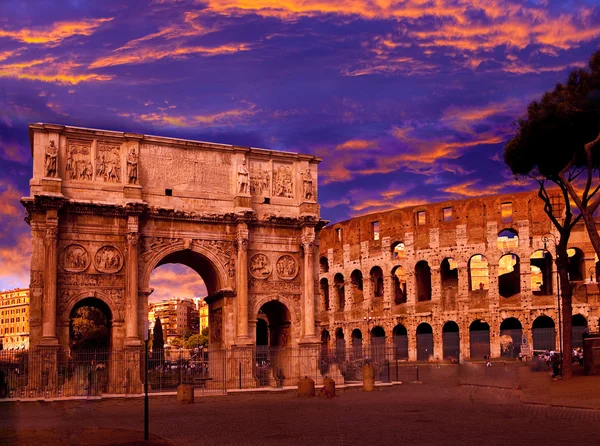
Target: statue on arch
x=50 y=160
x=243 y=180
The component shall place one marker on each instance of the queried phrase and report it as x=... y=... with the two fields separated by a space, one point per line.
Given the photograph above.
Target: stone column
x=333 y=297
x=132 y=315
x=436 y=284
x=308 y=306
x=49 y=337
x=242 y=284
x=388 y=291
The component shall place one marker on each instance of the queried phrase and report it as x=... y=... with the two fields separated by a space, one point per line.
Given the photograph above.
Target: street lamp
x=549 y=237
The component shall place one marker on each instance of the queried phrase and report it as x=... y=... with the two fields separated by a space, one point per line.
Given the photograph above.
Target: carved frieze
x=286 y=267
x=155 y=243
x=79 y=162
x=108 y=259
x=216 y=325
x=260 y=179
x=90 y=280
x=283 y=181
x=275 y=286
x=74 y=258
x=108 y=162
x=260 y=266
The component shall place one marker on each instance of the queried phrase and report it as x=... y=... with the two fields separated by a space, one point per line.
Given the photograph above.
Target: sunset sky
x=407 y=101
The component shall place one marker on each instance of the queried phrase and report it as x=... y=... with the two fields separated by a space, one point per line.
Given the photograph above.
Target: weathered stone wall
x=471 y=230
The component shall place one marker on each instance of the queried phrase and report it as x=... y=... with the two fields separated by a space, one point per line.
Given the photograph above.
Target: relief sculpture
x=307 y=185
x=108 y=259
x=260 y=179
x=132 y=167
x=79 y=165
x=286 y=267
x=50 y=160
x=74 y=258
x=216 y=325
x=108 y=162
x=260 y=266
x=283 y=183
x=243 y=178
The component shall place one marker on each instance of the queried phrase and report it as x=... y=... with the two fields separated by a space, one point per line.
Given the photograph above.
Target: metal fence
x=51 y=374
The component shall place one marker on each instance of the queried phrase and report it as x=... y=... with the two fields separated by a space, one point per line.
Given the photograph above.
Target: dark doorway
x=579 y=328
x=511 y=336
x=90 y=325
x=451 y=341
x=400 y=339
x=479 y=343
x=357 y=343
x=544 y=335
x=378 y=344
x=424 y=342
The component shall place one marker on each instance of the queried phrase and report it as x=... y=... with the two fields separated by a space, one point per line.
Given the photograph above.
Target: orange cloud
x=57 y=32
x=13 y=151
x=175 y=280
x=151 y=54
x=357 y=144
x=50 y=70
x=473 y=188
x=10 y=200
x=225 y=118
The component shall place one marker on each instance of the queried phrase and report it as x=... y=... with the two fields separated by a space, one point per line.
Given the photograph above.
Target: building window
x=338 y=234
x=375 y=229
x=447 y=214
x=506 y=212
x=421 y=218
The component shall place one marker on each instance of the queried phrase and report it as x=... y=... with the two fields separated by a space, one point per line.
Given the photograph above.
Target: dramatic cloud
x=176 y=281
x=55 y=33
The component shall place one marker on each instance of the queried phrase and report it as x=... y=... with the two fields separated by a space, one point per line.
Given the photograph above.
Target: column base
x=48 y=341
x=133 y=342
x=244 y=341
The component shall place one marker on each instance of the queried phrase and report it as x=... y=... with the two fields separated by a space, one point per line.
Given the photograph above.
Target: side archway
x=451 y=341
x=511 y=334
x=479 y=339
x=424 y=342
x=544 y=335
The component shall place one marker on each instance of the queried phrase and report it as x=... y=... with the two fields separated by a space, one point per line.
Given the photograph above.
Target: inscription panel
x=185 y=169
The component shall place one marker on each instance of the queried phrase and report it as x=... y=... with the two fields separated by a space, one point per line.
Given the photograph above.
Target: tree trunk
x=566 y=309
x=590 y=225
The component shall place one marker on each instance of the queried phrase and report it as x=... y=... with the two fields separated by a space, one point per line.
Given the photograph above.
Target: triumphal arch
x=106 y=208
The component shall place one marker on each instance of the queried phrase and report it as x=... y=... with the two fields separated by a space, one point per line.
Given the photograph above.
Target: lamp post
x=549 y=237
x=368 y=319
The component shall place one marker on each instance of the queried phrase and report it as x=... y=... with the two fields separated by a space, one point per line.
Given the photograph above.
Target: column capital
x=133 y=238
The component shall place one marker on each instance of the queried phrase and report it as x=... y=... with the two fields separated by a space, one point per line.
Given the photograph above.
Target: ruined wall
x=482 y=285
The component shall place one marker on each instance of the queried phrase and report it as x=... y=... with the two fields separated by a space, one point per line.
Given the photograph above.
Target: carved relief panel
x=216 y=325
x=74 y=258
x=108 y=162
x=260 y=179
x=286 y=267
x=108 y=259
x=259 y=266
x=78 y=165
x=283 y=181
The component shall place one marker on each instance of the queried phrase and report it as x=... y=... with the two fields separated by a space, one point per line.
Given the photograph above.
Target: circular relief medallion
x=74 y=258
x=108 y=259
x=260 y=266
x=286 y=267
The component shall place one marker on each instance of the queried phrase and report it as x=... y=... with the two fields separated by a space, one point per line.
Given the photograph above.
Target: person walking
x=488 y=361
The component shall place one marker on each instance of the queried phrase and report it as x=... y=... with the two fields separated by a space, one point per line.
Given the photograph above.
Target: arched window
x=424 y=342
x=575 y=264
x=324 y=264
x=423 y=278
x=479 y=273
x=357 y=285
x=338 y=281
x=324 y=285
x=508 y=239
x=377 y=281
x=399 y=278
x=400 y=339
x=541 y=272
x=509 y=275
x=398 y=251
x=449 y=272
x=357 y=343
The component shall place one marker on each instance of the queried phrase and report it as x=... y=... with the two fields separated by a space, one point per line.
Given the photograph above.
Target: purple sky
x=407 y=102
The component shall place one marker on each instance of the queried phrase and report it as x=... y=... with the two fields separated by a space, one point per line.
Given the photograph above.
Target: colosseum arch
x=95 y=231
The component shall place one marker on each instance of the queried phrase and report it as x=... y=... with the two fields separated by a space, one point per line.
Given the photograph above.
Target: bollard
x=328 y=390
x=306 y=387
x=368 y=378
x=185 y=394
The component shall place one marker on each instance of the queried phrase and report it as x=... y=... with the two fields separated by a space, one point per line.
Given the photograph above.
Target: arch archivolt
x=220 y=254
x=290 y=304
x=112 y=298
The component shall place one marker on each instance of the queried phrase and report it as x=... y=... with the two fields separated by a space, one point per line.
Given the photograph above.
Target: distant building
x=176 y=316
x=14 y=319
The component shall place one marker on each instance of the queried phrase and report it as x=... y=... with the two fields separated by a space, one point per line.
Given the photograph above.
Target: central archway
x=273 y=336
x=90 y=325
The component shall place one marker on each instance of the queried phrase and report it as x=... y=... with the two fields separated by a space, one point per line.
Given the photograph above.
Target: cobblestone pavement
x=424 y=414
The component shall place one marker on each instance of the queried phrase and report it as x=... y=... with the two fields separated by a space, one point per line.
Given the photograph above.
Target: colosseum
x=454 y=280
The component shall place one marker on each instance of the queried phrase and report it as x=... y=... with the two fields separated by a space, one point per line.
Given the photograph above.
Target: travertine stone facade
x=449 y=262
x=107 y=207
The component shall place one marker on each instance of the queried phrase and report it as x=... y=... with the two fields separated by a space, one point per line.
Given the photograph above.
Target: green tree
x=176 y=342
x=186 y=333
x=197 y=340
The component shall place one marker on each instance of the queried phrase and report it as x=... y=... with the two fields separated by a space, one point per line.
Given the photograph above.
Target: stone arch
x=451 y=341
x=294 y=318
x=541 y=272
x=324 y=265
x=338 y=281
x=399 y=284
x=376 y=274
x=398 y=250
x=356 y=278
x=357 y=342
x=198 y=257
x=479 y=339
x=424 y=341
x=423 y=279
x=509 y=275
x=378 y=343
x=449 y=272
x=508 y=240
x=113 y=306
x=575 y=265
x=479 y=273
x=280 y=320
x=400 y=340
x=104 y=313
x=544 y=334
x=579 y=327
x=511 y=334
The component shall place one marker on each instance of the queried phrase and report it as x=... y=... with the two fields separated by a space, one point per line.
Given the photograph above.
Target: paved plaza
x=428 y=413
